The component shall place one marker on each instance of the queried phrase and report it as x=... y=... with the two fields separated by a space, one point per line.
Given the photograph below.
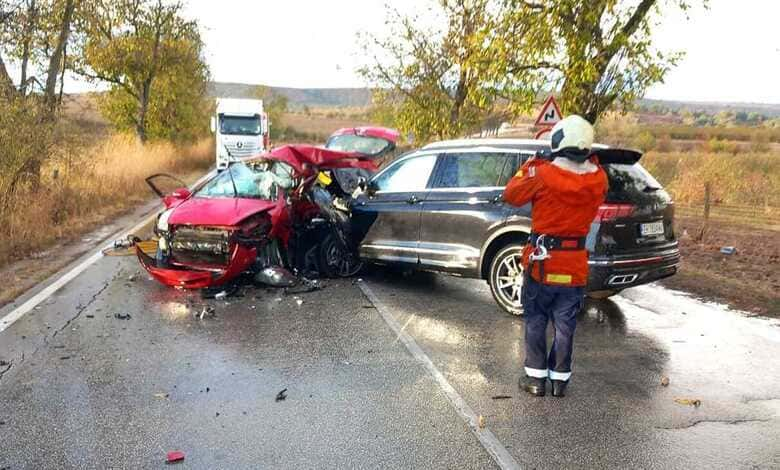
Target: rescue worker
x=566 y=191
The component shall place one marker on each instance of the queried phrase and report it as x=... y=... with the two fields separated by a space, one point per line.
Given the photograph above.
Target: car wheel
x=601 y=294
x=336 y=261
x=506 y=278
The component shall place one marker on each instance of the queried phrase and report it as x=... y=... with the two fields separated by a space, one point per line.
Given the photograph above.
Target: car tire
x=335 y=261
x=505 y=278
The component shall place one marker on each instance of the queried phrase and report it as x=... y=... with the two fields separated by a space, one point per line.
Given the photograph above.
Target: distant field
x=317 y=127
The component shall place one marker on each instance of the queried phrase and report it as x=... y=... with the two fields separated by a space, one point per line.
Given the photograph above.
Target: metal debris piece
x=501 y=397
x=276 y=276
x=688 y=401
x=304 y=286
x=122 y=316
x=161 y=395
x=123 y=243
x=208 y=311
x=281 y=395
x=728 y=250
x=175 y=456
x=481 y=422
x=90 y=316
x=665 y=381
x=219 y=292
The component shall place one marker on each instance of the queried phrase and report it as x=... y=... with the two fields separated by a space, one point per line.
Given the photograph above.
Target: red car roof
x=381 y=132
x=304 y=157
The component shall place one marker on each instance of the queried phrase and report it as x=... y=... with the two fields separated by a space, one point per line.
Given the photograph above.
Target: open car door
x=170 y=189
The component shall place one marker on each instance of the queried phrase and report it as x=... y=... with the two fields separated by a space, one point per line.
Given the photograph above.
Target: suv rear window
x=476 y=170
x=629 y=183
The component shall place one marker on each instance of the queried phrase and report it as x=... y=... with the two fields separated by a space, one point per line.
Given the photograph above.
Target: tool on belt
x=543 y=244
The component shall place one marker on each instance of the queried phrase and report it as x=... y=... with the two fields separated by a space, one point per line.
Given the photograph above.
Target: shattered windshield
x=355 y=143
x=240 y=125
x=252 y=180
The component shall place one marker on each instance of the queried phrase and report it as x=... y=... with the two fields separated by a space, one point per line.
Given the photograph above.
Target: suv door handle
x=412 y=199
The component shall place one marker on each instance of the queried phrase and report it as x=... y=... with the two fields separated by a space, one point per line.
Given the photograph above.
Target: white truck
x=241 y=129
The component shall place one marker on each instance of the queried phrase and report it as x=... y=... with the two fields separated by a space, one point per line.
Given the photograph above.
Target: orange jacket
x=564 y=205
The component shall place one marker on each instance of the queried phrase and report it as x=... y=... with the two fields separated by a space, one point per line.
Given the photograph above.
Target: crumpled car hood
x=226 y=211
x=303 y=157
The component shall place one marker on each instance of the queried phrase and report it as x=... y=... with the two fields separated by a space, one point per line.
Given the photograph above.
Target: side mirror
x=213 y=124
x=176 y=197
x=264 y=124
x=372 y=187
x=181 y=193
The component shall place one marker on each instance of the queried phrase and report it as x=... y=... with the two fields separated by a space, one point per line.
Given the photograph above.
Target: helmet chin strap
x=573 y=154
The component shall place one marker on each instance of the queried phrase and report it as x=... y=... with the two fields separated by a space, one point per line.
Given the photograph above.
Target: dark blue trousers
x=541 y=304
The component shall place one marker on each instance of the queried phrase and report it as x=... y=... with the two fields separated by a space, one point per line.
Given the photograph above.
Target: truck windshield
x=240 y=125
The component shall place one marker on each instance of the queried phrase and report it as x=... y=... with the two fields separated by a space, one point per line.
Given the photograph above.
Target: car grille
x=201 y=245
x=247 y=149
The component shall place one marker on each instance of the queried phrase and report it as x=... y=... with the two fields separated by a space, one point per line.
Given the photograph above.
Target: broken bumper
x=241 y=259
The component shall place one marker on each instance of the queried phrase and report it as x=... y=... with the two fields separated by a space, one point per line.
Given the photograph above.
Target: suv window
x=630 y=183
x=407 y=175
x=475 y=170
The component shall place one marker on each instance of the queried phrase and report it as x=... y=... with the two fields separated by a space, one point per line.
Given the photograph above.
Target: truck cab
x=240 y=128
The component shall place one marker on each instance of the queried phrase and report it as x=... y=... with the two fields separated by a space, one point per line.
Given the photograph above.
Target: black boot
x=559 y=388
x=533 y=386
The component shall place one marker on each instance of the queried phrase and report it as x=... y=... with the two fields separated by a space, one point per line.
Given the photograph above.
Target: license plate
x=652 y=228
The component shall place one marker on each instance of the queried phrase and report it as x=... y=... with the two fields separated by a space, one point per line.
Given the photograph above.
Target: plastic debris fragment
x=175 y=456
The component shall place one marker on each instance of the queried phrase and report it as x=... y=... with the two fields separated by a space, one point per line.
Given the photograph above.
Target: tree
x=152 y=57
x=57 y=58
x=601 y=50
x=35 y=34
x=493 y=57
x=443 y=82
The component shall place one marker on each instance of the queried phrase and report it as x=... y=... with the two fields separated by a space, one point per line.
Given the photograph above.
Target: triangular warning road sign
x=550 y=113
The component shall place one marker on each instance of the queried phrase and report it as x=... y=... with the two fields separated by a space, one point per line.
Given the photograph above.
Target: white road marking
x=488 y=440
x=44 y=294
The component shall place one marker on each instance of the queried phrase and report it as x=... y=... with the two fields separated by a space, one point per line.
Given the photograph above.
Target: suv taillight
x=608 y=212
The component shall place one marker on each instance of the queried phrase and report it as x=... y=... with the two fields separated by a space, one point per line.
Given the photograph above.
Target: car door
x=463 y=207
x=386 y=220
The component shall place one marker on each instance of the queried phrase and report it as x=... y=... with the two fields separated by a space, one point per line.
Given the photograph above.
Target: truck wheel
x=336 y=261
x=506 y=278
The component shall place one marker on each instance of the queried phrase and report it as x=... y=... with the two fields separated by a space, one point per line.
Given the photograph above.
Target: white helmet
x=572 y=133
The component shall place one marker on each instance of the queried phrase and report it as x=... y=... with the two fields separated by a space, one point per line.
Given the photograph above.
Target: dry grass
x=751 y=179
x=315 y=127
x=82 y=188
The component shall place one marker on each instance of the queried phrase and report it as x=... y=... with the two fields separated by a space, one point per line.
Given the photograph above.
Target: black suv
x=440 y=209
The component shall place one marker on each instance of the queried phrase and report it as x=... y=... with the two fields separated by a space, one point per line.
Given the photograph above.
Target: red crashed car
x=276 y=213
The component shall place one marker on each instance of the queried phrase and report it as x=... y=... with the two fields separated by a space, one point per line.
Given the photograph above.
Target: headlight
x=162 y=221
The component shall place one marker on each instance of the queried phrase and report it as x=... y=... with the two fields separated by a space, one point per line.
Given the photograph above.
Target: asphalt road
x=393 y=371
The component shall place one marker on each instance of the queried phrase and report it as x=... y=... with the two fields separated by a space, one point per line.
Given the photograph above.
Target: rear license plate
x=652 y=228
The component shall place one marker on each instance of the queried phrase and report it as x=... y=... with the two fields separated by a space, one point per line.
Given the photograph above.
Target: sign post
x=549 y=115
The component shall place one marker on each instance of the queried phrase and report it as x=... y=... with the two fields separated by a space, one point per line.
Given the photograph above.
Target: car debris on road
x=282 y=395
x=174 y=456
x=688 y=401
